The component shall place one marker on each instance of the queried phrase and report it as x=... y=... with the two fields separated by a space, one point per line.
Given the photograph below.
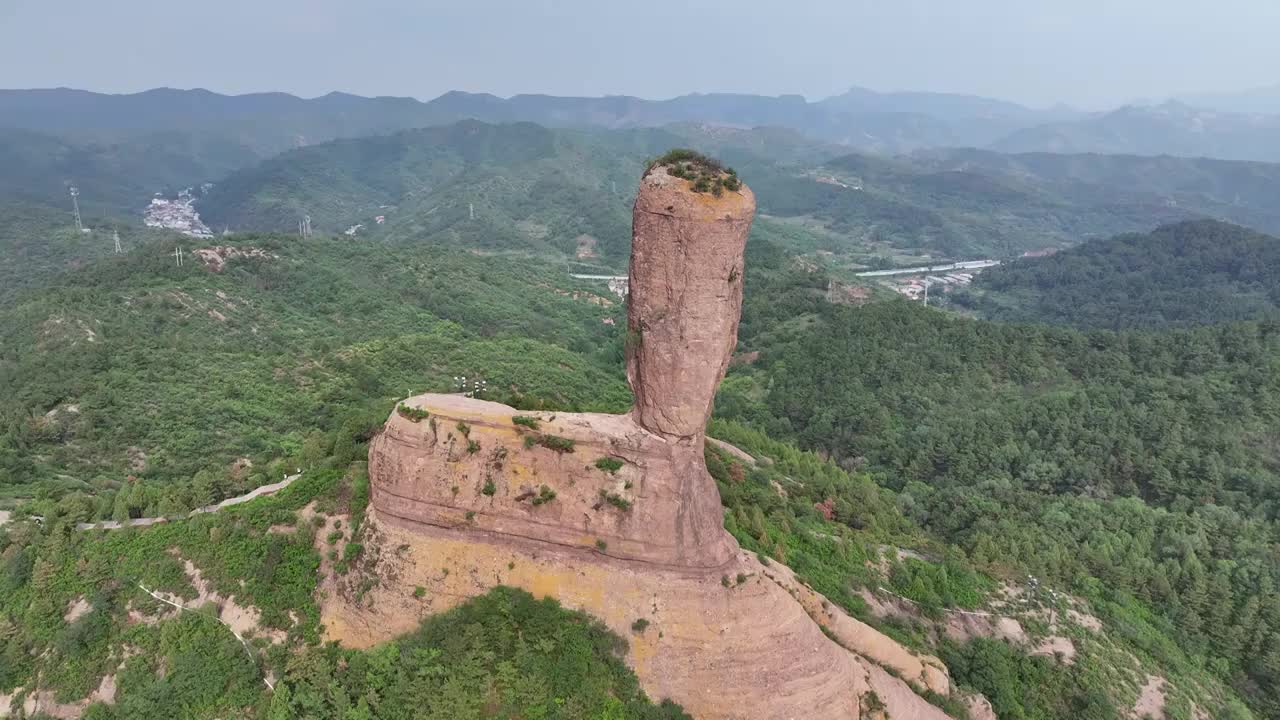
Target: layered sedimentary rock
x=686 y=298
x=617 y=515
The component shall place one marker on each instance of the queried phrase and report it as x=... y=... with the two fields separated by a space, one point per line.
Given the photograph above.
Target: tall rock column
x=689 y=232
x=685 y=293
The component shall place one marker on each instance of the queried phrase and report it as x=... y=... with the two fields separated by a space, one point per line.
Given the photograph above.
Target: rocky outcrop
x=215 y=258
x=617 y=515
x=469 y=466
x=686 y=298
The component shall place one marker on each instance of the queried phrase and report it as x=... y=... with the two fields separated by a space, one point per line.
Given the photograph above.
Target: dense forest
x=1192 y=273
x=503 y=654
x=1134 y=471
x=1138 y=470
x=535 y=189
x=136 y=365
x=905 y=453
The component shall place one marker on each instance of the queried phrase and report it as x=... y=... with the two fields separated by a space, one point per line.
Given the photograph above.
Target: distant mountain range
x=267 y=123
x=874 y=170
x=1172 y=128
x=889 y=123
x=1264 y=100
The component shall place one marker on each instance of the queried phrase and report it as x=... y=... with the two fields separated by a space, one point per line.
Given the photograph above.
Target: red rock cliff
x=686 y=297
x=464 y=498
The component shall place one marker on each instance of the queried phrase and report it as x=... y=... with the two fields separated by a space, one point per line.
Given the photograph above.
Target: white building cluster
x=179 y=215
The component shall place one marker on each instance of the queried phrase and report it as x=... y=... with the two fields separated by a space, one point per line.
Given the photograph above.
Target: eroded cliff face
x=617 y=515
x=489 y=478
x=686 y=299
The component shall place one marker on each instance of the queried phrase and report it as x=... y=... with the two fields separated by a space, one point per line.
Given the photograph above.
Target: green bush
x=526 y=421
x=351 y=552
x=555 y=442
x=610 y=465
x=615 y=500
x=704 y=173
x=412 y=413
x=545 y=495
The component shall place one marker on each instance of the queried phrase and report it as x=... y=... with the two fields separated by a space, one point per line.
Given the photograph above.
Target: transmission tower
x=115 y=235
x=304 y=227
x=177 y=255
x=472 y=207
x=75 y=205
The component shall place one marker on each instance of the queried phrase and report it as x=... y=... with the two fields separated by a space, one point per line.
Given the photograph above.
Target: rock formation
x=686 y=298
x=617 y=515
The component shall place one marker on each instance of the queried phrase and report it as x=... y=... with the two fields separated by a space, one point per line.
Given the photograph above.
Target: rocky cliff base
x=468 y=495
x=741 y=643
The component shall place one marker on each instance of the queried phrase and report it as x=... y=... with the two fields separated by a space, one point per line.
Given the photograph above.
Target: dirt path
x=254 y=494
x=161 y=597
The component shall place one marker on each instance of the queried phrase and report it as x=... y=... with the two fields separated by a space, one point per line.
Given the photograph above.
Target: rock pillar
x=685 y=298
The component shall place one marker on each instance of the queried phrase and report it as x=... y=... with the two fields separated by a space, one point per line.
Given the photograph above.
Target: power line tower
x=304 y=227
x=177 y=255
x=472 y=208
x=115 y=235
x=75 y=205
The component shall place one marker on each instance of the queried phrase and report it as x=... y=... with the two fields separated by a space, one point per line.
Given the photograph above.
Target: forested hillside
x=906 y=455
x=1239 y=192
x=135 y=386
x=115 y=175
x=1194 y=273
x=529 y=187
x=1135 y=469
x=135 y=365
x=969 y=202
x=543 y=190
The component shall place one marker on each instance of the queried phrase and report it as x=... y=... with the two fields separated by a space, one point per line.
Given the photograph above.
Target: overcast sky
x=1090 y=53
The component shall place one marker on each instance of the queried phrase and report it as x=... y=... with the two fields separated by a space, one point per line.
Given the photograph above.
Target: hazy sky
x=1091 y=53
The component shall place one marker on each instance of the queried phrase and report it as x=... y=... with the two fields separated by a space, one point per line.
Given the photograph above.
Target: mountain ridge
x=885 y=122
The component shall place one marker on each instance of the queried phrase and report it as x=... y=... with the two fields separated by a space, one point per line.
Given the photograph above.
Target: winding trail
x=243 y=642
x=254 y=494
